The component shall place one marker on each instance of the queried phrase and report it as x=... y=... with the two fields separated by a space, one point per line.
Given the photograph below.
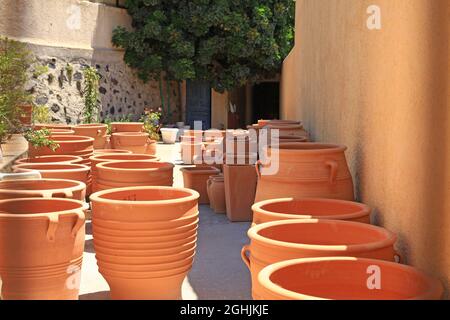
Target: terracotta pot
x=118 y=174
x=285 y=129
x=51 y=159
x=159 y=264
x=68 y=145
x=42 y=188
x=52 y=230
x=39 y=126
x=208 y=190
x=136 y=142
x=263 y=122
x=194 y=133
x=127 y=127
x=97 y=131
x=111 y=151
x=284 y=122
x=240 y=188
x=291 y=139
x=288 y=209
x=77 y=172
x=307 y=238
x=345 y=278
x=151 y=147
x=305 y=170
x=61 y=132
x=189 y=151
x=26 y=114
x=196 y=177
x=216 y=194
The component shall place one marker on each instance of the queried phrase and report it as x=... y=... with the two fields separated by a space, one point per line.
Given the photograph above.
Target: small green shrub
x=40 y=138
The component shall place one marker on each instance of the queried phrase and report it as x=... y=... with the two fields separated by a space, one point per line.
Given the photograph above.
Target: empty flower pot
x=305 y=170
x=43 y=188
x=312 y=208
x=291 y=239
x=119 y=174
x=67 y=171
x=51 y=159
x=196 y=178
x=52 y=231
x=345 y=278
x=216 y=194
x=127 y=127
x=97 y=131
x=169 y=135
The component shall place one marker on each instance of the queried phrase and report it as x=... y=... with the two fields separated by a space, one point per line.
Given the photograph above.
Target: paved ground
x=218 y=272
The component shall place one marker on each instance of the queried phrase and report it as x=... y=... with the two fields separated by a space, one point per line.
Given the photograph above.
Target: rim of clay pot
x=105 y=195
x=53 y=126
x=10 y=208
x=50 y=159
x=127 y=123
x=302 y=138
x=385 y=237
x=176 y=272
x=117 y=157
x=360 y=209
x=91 y=125
x=201 y=170
x=71 y=139
x=130 y=134
x=34 y=186
x=62 y=132
x=265 y=276
x=135 y=166
x=50 y=167
x=308 y=147
x=111 y=151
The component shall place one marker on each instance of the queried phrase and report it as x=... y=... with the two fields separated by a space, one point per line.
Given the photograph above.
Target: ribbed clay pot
x=305 y=170
x=310 y=208
x=52 y=231
x=308 y=238
x=127 y=127
x=51 y=159
x=43 y=188
x=345 y=278
x=77 y=172
x=97 y=131
x=111 y=151
x=196 y=178
x=145 y=239
x=136 y=142
x=119 y=174
x=240 y=189
x=216 y=194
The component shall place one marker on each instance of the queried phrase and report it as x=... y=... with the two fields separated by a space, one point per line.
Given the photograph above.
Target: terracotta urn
x=196 y=178
x=77 y=172
x=216 y=194
x=127 y=127
x=111 y=151
x=51 y=159
x=277 y=241
x=305 y=170
x=136 y=142
x=118 y=174
x=310 y=208
x=145 y=240
x=97 y=131
x=345 y=278
x=25 y=114
x=42 y=188
x=52 y=231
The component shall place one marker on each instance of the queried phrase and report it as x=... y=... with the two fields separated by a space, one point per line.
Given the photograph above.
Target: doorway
x=266 y=101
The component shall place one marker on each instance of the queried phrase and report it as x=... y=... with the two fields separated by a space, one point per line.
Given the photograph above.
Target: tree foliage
x=226 y=42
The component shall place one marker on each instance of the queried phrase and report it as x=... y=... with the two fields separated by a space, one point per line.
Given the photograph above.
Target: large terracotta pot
x=287 y=129
x=137 y=261
x=240 y=189
x=127 y=127
x=97 y=131
x=43 y=188
x=77 y=172
x=118 y=174
x=136 y=142
x=305 y=170
x=196 y=178
x=308 y=238
x=345 y=278
x=51 y=159
x=111 y=151
x=309 y=208
x=52 y=231
x=216 y=194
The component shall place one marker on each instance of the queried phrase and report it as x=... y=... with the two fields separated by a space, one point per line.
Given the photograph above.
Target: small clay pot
x=77 y=172
x=127 y=127
x=196 y=178
x=93 y=130
x=217 y=194
x=51 y=159
x=345 y=278
x=26 y=114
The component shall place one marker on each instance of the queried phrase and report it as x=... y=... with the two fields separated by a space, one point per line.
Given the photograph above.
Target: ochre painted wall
x=385 y=94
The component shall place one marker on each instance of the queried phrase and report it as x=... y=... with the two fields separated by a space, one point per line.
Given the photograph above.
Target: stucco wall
x=385 y=94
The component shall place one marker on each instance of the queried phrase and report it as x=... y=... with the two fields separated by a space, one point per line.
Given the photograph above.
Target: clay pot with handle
x=97 y=131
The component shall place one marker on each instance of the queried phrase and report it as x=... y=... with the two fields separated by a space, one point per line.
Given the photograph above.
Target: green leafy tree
x=225 y=42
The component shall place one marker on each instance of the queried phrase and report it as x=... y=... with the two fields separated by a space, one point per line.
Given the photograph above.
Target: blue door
x=198 y=103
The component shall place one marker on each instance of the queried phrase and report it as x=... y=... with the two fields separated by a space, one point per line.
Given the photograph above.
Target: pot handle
x=257 y=167
x=80 y=222
x=64 y=194
x=244 y=255
x=99 y=132
x=398 y=256
x=53 y=219
x=334 y=168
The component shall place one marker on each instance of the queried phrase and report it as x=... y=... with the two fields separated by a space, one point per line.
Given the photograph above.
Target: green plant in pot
x=40 y=138
x=151 y=120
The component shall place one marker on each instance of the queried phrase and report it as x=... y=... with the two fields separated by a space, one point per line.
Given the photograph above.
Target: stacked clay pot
x=119 y=174
x=42 y=188
x=216 y=193
x=308 y=238
x=345 y=278
x=305 y=170
x=145 y=240
x=111 y=157
x=97 y=131
x=136 y=142
x=50 y=159
x=196 y=178
x=310 y=208
x=42 y=244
